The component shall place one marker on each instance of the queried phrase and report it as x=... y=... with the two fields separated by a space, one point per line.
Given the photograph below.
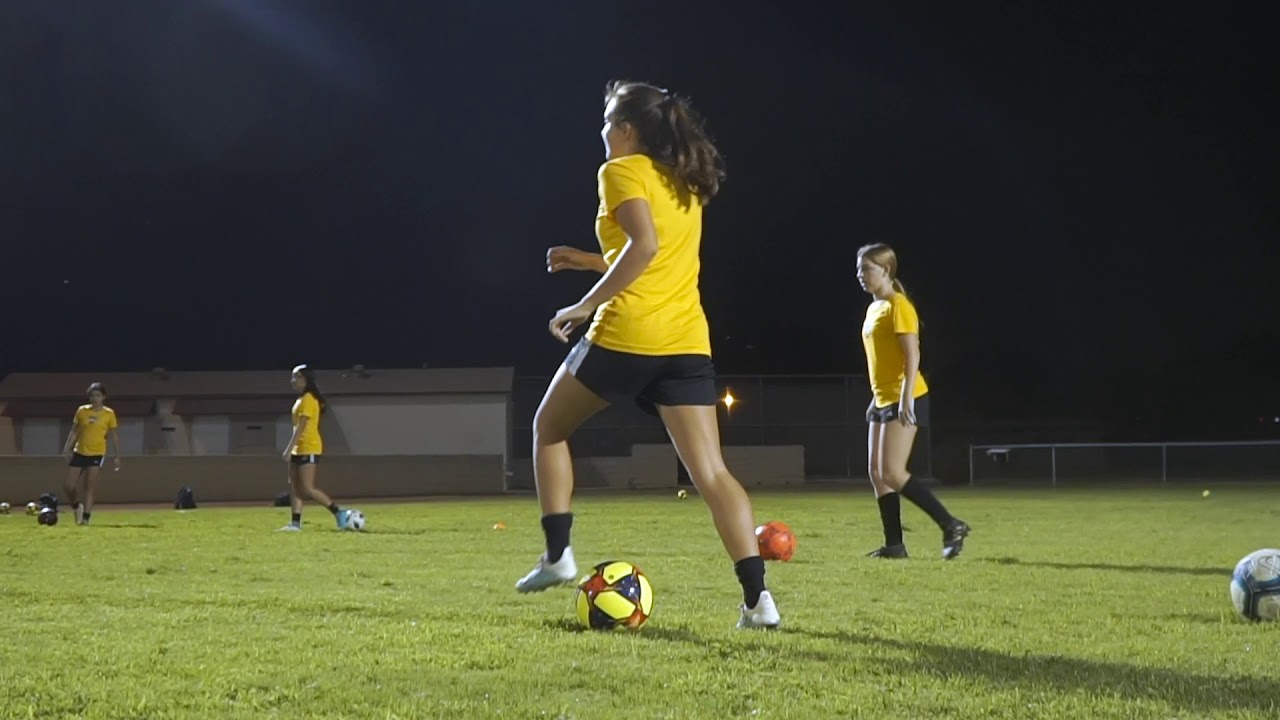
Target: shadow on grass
x=1152 y=569
x=651 y=632
x=1206 y=694
x=131 y=526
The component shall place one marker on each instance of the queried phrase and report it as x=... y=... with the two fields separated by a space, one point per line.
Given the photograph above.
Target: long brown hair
x=885 y=257
x=671 y=132
x=309 y=377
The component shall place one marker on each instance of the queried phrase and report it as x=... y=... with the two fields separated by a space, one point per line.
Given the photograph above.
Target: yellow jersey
x=886 y=363
x=309 y=442
x=661 y=312
x=91 y=429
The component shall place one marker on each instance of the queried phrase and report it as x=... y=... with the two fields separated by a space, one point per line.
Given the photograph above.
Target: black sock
x=924 y=499
x=556 y=528
x=86 y=517
x=297 y=519
x=333 y=508
x=750 y=573
x=891 y=517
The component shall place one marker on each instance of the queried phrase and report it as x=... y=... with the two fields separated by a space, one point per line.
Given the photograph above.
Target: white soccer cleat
x=545 y=574
x=291 y=527
x=763 y=615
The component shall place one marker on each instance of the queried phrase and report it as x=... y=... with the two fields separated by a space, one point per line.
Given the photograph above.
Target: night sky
x=1084 y=202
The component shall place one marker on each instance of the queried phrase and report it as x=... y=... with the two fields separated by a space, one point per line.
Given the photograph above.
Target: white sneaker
x=545 y=574
x=79 y=514
x=291 y=527
x=763 y=615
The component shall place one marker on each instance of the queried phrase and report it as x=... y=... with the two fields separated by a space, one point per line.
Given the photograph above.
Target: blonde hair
x=885 y=257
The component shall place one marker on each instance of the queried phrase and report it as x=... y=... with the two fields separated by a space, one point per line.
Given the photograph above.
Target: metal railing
x=1002 y=453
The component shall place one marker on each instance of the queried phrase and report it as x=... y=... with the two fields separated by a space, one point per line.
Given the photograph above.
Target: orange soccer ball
x=777 y=542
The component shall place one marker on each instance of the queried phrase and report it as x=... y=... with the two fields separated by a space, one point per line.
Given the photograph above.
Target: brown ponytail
x=885 y=257
x=671 y=132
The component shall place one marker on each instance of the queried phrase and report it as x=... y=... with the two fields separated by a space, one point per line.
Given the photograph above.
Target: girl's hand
x=568 y=319
x=907 y=413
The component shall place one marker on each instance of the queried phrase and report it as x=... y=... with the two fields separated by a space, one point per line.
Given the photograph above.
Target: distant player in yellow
x=899 y=403
x=305 y=449
x=86 y=448
x=648 y=340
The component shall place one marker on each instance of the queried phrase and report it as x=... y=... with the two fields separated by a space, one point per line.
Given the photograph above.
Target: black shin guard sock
x=333 y=508
x=891 y=518
x=924 y=499
x=750 y=573
x=556 y=527
x=296 y=519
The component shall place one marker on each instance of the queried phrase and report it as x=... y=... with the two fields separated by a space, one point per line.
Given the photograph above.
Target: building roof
x=254 y=383
x=42 y=408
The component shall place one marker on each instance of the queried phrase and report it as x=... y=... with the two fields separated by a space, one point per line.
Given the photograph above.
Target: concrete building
x=397 y=432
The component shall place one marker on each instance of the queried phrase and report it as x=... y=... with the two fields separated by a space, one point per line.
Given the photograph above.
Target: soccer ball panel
x=582 y=606
x=615 y=605
x=614 y=571
x=1267 y=607
x=646 y=594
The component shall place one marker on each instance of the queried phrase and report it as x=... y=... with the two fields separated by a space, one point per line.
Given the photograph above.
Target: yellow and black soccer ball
x=616 y=596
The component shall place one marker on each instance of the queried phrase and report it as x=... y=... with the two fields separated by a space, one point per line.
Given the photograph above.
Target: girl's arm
x=642 y=246
x=71 y=439
x=910 y=344
x=115 y=440
x=297 y=433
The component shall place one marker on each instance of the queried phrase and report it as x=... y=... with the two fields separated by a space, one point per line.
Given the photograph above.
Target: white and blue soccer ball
x=355 y=521
x=1255 y=585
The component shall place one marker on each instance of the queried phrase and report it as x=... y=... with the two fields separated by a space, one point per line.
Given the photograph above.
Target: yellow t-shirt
x=661 y=312
x=309 y=442
x=886 y=363
x=91 y=429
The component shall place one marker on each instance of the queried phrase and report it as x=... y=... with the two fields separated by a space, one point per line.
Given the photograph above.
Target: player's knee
x=895 y=479
x=711 y=477
x=547 y=430
x=873 y=472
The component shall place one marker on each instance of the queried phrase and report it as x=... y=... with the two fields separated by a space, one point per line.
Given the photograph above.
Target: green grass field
x=1066 y=604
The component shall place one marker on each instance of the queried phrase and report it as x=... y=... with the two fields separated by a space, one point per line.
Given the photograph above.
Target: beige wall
x=440 y=424
x=656 y=466
x=247 y=478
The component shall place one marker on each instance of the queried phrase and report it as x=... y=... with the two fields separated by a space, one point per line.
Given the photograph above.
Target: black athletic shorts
x=304 y=459
x=889 y=413
x=86 y=461
x=648 y=380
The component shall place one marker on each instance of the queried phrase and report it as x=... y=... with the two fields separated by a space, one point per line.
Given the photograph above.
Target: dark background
x=1084 y=201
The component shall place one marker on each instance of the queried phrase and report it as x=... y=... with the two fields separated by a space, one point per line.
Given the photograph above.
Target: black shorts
x=648 y=380
x=86 y=461
x=304 y=459
x=889 y=413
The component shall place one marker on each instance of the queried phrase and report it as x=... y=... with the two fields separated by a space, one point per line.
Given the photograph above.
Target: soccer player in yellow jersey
x=648 y=339
x=899 y=403
x=305 y=448
x=86 y=448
